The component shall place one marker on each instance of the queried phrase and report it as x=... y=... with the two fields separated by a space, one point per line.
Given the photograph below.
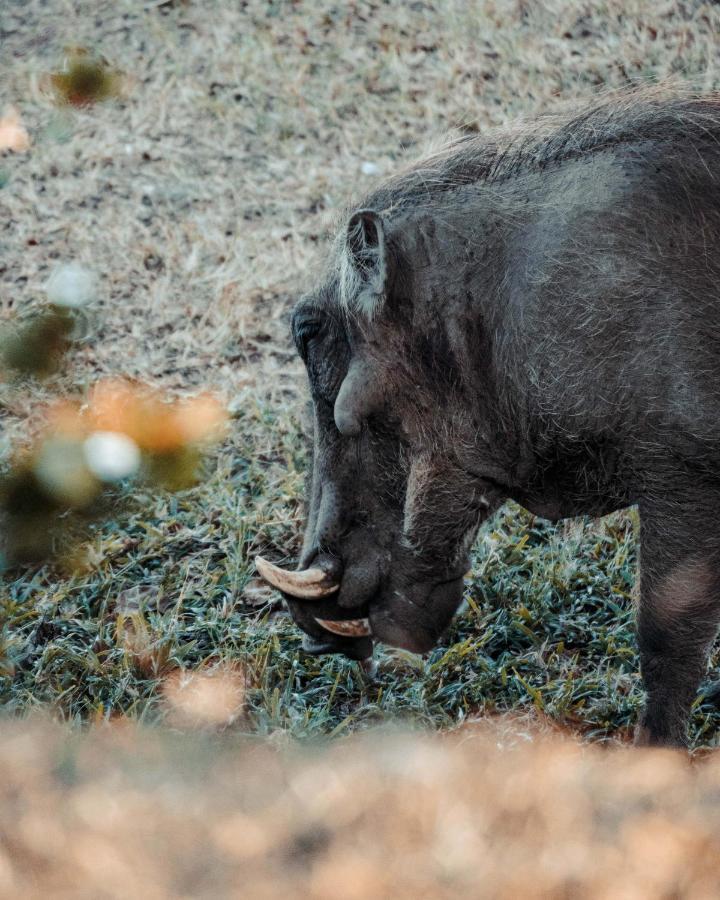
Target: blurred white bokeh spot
x=369 y=168
x=111 y=456
x=71 y=285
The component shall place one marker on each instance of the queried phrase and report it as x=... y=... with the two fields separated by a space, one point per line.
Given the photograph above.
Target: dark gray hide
x=540 y=320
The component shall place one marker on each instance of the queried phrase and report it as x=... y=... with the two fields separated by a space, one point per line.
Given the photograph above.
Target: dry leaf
x=13 y=134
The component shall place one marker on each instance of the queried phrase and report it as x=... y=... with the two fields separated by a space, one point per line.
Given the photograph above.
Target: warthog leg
x=678 y=615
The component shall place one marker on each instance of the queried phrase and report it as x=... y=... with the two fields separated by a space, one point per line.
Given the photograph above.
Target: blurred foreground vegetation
x=122 y=812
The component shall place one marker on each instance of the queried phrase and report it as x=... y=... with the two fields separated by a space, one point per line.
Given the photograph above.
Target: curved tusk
x=310 y=584
x=346 y=627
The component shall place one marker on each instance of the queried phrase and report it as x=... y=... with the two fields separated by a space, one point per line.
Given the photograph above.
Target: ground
x=202 y=200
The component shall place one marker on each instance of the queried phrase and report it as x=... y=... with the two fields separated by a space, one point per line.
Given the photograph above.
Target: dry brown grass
x=201 y=199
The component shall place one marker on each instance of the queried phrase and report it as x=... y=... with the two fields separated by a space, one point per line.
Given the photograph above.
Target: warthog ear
x=365 y=268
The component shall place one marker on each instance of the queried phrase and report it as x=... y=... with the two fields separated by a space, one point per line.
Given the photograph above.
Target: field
x=202 y=200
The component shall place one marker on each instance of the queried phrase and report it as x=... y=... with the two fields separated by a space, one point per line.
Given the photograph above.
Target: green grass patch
x=547 y=626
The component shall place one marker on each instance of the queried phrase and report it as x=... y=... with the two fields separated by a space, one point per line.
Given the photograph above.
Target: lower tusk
x=310 y=584
x=347 y=627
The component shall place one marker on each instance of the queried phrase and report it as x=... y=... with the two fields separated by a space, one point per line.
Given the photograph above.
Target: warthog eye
x=303 y=332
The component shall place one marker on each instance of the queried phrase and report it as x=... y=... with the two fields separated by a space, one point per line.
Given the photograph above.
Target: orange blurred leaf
x=13 y=134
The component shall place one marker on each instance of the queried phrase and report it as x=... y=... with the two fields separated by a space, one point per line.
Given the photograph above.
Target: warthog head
x=394 y=505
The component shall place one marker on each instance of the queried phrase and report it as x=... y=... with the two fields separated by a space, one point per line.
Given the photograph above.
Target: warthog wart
x=534 y=317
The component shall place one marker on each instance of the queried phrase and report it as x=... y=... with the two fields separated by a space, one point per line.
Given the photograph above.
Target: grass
x=201 y=201
x=547 y=627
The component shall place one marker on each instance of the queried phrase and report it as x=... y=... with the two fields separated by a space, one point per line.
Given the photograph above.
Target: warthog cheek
x=415 y=616
x=361 y=393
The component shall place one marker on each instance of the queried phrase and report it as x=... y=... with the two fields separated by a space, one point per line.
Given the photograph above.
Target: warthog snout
x=307 y=586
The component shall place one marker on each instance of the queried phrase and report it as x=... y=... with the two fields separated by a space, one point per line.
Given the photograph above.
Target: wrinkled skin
x=548 y=332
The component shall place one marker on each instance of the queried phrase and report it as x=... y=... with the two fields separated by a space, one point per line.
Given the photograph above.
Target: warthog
x=535 y=318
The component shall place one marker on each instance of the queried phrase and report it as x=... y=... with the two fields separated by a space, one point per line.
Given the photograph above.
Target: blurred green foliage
x=37 y=346
x=86 y=78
